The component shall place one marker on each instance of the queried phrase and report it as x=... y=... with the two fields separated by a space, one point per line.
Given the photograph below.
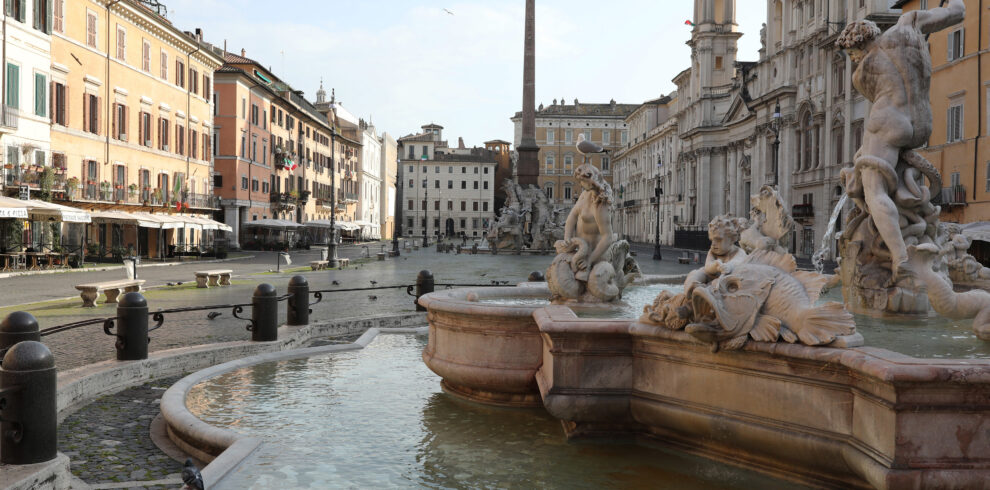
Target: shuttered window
x=58 y=22
x=13 y=86
x=121 y=43
x=40 y=95
x=91 y=21
x=954 y=121
x=146 y=56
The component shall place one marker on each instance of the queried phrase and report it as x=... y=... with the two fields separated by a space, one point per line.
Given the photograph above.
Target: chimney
x=460 y=142
x=243 y=53
x=199 y=34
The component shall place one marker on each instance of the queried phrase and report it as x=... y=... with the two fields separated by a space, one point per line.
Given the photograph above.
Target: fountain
x=527 y=221
x=748 y=364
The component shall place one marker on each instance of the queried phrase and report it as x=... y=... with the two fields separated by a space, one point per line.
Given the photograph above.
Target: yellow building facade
x=132 y=115
x=960 y=92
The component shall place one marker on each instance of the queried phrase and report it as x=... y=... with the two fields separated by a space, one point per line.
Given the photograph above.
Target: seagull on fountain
x=191 y=476
x=585 y=147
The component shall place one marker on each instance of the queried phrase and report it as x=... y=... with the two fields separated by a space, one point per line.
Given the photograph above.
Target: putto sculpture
x=723 y=231
x=894 y=208
x=592 y=265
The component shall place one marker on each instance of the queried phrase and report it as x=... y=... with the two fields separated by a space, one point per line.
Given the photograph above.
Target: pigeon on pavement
x=191 y=476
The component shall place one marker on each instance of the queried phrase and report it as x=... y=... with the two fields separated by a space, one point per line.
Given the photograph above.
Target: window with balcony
x=145 y=178
x=92 y=179
x=119 y=182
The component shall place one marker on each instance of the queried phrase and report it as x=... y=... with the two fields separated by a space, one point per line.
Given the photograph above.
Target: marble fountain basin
x=852 y=418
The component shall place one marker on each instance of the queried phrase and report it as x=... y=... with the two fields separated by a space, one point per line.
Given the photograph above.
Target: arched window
x=568 y=189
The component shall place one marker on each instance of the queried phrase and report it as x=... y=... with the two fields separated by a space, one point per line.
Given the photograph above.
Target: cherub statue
x=724 y=233
x=592 y=265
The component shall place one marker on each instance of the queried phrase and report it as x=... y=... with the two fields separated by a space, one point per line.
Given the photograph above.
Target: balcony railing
x=203 y=201
x=954 y=195
x=282 y=198
x=10 y=117
x=803 y=211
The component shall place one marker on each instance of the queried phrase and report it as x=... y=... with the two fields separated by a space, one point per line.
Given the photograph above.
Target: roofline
x=167 y=24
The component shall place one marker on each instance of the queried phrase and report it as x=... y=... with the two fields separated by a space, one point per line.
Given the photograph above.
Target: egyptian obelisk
x=528 y=165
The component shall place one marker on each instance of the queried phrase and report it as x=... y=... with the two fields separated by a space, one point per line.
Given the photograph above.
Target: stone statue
x=961 y=267
x=893 y=207
x=944 y=299
x=591 y=265
x=723 y=231
x=526 y=220
x=769 y=223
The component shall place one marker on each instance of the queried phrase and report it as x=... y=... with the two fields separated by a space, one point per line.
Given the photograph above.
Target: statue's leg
x=885 y=217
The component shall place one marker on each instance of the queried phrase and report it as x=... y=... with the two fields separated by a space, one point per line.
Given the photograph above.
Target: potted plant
x=156 y=196
x=132 y=190
x=294 y=194
x=70 y=187
x=8 y=166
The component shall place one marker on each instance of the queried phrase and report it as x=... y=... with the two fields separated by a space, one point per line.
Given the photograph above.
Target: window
x=121 y=43
x=463 y=184
x=411 y=183
x=606 y=137
x=436 y=205
x=474 y=206
x=42 y=16
x=550 y=136
x=164 y=67
x=436 y=184
x=606 y=164
x=40 y=95
x=207 y=87
x=144 y=129
x=718 y=62
x=410 y=204
x=254 y=114
x=484 y=206
x=463 y=205
x=568 y=162
x=194 y=144
x=58 y=111
x=119 y=182
x=550 y=162
x=450 y=184
x=255 y=185
x=954 y=130
x=91 y=27
x=476 y=185
x=180 y=139
x=193 y=80
x=412 y=169
x=120 y=122
x=625 y=137
x=956 y=48
x=163 y=138
x=486 y=185
x=987 y=188
x=567 y=191
x=180 y=73
x=924 y=5
x=568 y=136
x=548 y=190
x=91 y=169
x=587 y=135
x=412 y=152
x=58 y=16
x=13 y=86
x=450 y=205
x=91 y=113
x=244 y=182
x=486 y=170
x=146 y=56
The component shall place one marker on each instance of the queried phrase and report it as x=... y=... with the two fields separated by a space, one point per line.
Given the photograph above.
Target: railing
x=10 y=117
x=954 y=195
x=282 y=197
x=803 y=211
x=350 y=196
x=196 y=200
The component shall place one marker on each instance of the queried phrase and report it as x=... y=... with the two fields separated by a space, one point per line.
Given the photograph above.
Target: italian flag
x=689 y=23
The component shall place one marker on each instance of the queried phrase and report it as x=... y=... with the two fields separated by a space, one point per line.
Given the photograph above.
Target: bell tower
x=713 y=49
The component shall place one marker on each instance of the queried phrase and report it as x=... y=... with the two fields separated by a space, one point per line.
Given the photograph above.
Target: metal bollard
x=264 y=314
x=424 y=285
x=17 y=327
x=536 y=276
x=29 y=427
x=132 y=327
x=297 y=312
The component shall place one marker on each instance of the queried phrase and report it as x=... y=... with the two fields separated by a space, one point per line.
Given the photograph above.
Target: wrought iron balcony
x=282 y=198
x=9 y=118
x=954 y=195
x=803 y=211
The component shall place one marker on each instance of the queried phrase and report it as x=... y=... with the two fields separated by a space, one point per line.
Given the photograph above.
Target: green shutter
x=13 y=85
x=48 y=16
x=40 y=95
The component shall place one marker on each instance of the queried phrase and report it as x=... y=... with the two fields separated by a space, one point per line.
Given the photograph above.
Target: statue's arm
x=604 y=221
x=936 y=19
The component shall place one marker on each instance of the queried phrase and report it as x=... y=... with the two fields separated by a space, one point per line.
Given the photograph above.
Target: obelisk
x=528 y=165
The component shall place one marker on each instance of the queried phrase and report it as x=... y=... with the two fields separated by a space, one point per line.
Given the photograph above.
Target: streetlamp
x=656 y=244
x=775 y=126
x=426 y=213
x=332 y=252
x=397 y=221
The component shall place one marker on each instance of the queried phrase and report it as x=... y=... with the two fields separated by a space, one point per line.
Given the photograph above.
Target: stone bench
x=684 y=258
x=112 y=289
x=318 y=265
x=380 y=255
x=217 y=277
x=344 y=262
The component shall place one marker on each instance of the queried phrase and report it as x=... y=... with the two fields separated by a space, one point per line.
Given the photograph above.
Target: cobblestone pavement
x=88 y=344
x=109 y=440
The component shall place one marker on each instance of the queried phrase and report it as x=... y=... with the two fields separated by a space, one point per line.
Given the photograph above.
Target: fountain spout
x=819 y=258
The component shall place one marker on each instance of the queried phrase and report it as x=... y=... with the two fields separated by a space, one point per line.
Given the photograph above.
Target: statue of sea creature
x=769 y=222
x=765 y=298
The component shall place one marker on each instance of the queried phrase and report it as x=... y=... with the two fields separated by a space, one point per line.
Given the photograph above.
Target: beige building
x=445 y=190
x=132 y=118
x=557 y=129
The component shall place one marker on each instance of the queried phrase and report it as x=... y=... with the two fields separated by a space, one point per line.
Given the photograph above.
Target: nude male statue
x=894 y=72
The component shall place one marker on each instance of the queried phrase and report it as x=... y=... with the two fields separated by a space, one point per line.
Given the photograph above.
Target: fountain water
x=819 y=258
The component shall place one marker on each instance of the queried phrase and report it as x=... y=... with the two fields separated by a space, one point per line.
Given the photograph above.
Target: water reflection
x=376 y=418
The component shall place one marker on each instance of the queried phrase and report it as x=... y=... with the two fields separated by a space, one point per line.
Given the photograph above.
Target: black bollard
x=132 y=327
x=29 y=427
x=264 y=314
x=424 y=285
x=18 y=327
x=297 y=312
x=536 y=276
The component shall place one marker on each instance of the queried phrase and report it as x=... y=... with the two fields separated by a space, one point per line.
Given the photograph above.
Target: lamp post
x=332 y=249
x=656 y=244
x=397 y=221
x=775 y=126
x=426 y=214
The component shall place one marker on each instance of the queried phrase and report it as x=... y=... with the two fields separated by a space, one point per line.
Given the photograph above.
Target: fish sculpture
x=765 y=298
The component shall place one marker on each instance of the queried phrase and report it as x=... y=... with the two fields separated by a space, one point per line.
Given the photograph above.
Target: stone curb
x=115 y=267
x=80 y=386
x=225 y=448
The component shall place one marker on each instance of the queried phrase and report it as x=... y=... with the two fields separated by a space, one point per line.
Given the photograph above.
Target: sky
x=458 y=63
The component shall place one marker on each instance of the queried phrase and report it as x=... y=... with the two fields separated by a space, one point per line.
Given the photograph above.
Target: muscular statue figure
x=894 y=72
x=589 y=258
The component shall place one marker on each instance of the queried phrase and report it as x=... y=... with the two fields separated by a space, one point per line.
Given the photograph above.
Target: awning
x=132 y=219
x=164 y=221
x=318 y=223
x=348 y=226
x=13 y=210
x=209 y=224
x=42 y=210
x=278 y=224
x=365 y=223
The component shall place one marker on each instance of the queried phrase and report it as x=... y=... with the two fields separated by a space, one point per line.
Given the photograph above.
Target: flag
x=689 y=23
